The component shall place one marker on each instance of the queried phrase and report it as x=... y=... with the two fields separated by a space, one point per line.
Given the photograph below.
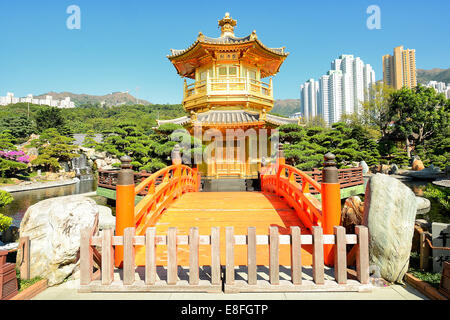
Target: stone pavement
x=68 y=291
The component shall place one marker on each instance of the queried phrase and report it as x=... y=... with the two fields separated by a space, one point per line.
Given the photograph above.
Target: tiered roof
x=250 y=49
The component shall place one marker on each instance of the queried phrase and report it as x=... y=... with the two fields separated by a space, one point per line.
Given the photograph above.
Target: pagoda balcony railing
x=228 y=85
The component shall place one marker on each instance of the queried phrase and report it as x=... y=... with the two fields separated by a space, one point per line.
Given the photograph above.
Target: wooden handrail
x=281 y=180
x=175 y=180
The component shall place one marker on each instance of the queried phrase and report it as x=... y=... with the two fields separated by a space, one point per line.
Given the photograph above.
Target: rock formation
x=389 y=212
x=54 y=226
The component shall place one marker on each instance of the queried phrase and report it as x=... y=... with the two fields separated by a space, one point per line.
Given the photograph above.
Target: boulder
x=389 y=213
x=54 y=227
x=430 y=173
x=418 y=165
x=352 y=214
x=394 y=169
x=423 y=205
x=105 y=218
x=365 y=167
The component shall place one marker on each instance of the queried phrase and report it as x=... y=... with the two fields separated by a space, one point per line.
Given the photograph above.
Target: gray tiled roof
x=279 y=120
x=180 y=121
x=235 y=116
x=229 y=117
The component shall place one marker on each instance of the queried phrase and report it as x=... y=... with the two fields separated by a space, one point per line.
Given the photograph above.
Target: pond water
x=437 y=211
x=23 y=200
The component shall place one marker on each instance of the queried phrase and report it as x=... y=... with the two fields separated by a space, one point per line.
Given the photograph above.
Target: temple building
x=228 y=85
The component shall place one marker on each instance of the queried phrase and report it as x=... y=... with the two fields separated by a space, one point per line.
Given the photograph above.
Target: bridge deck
x=224 y=209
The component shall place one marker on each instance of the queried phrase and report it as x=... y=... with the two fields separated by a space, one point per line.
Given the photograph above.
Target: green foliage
x=440 y=194
x=53 y=148
x=89 y=141
x=304 y=147
x=18 y=126
x=5 y=222
x=5 y=199
x=51 y=117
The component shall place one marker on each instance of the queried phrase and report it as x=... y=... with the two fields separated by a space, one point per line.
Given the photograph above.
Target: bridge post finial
x=330 y=171
x=280 y=155
x=176 y=155
x=331 y=201
x=125 y=198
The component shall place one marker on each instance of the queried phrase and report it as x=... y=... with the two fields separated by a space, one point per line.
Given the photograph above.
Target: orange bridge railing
x=159 y=191
x=296 y=187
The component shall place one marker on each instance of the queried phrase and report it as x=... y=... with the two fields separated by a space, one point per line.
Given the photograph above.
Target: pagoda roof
x=204 y=49
x=227 y=40
x=230 y=117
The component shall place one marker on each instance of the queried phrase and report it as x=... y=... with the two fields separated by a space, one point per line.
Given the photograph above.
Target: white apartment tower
x=308 y=97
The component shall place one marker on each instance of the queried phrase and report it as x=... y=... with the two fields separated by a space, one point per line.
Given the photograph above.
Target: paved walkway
x=68 y=291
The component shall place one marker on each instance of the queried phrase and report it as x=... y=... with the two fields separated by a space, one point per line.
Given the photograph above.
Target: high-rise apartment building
x=309 y=96
x=399 y=69
x=340 y=92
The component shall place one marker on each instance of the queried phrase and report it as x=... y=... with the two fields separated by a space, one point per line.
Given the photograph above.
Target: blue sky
x=122 y=45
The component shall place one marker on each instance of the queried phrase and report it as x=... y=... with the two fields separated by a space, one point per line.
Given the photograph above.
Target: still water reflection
x=23 y=200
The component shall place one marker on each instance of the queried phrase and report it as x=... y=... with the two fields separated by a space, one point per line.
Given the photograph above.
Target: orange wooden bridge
x=174 y=226
x=171 y=199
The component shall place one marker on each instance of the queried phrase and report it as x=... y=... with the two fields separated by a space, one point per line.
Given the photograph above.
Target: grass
x=23 y=284
x=431 y=278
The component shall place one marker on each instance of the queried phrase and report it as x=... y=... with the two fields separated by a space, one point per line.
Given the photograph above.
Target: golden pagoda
x=224 y=89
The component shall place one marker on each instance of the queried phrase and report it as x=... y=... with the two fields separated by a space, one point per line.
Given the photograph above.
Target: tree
x=18 y=126
x=53 y=148
x=89 y=141
x=51 y=117
x=418 y=114
x=376 y=110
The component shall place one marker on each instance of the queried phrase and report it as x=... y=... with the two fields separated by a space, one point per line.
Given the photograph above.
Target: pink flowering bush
x=18 y=156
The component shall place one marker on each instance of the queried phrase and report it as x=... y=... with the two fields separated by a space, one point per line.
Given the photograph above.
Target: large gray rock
x=54 y=227
x=389 y=213
x=423 y=205
x=364 y=166
x=105 y=218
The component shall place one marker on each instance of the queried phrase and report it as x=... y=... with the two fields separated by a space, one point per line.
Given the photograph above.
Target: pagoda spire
x=227 y=25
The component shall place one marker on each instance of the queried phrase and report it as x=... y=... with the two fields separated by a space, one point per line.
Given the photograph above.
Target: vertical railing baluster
x=150 y=256
x=86 y=257
x=362 y=254
x=107 y=257
x=340 y=255
x=274 y=265
x=172 y=264
x=128 y=256
x=251 y=255
x=229 y=255
x=296 y=256
x=215 y=255
x=318 y=259
x=193 y=257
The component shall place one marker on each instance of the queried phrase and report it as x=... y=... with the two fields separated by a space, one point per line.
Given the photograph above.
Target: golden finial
x=200 y=36
x=253 y=36
x=227 y=25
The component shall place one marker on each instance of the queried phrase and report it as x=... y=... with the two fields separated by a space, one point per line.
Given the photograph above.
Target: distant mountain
x=440 y=75
x=112 y=99
x=286 y=107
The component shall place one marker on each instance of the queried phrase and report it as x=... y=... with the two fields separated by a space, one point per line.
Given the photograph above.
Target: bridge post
x=331 y=202
x=125 y=197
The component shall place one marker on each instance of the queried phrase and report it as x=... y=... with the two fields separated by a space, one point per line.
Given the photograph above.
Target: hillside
x=286 y=107
x=441 y=75
x=112 y=99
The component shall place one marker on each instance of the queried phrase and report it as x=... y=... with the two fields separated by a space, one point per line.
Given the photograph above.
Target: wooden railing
x=161 y=189
x=227 y=84
x=173 y=279
x=294 y=186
